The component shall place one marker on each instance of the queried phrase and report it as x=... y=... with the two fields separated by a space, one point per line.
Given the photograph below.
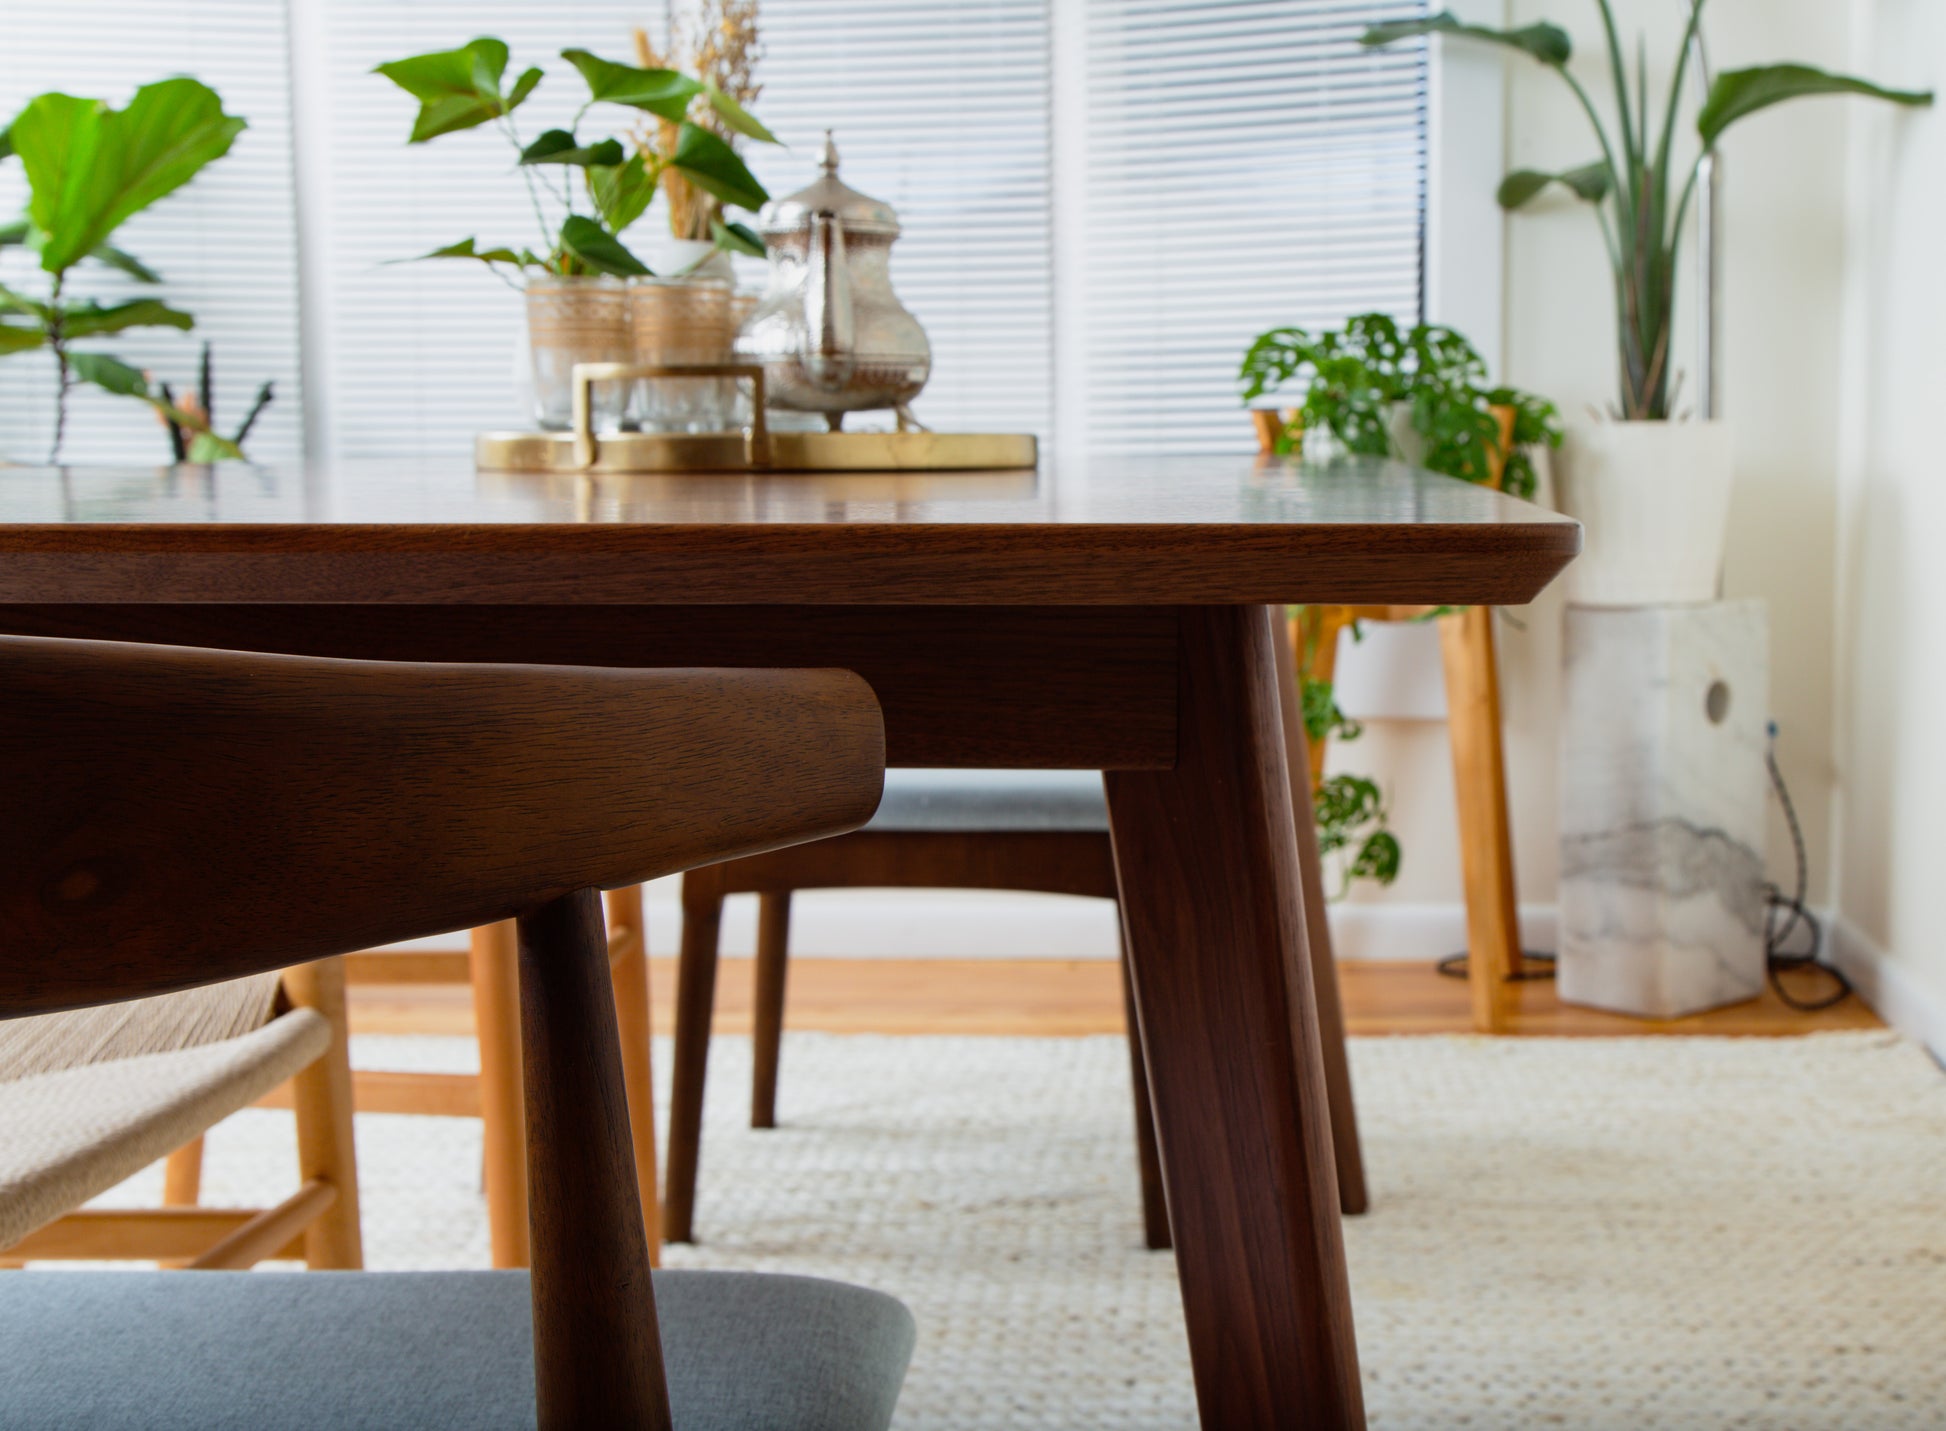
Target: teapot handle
x=829 y=332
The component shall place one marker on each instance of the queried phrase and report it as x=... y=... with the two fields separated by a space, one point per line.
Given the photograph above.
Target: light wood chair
x=493 y=1095
x=1039 y=830
x=90 y=1097
x=179 y=817
x=1472 y=673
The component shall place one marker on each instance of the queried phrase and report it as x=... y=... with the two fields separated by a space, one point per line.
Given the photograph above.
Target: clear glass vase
x=682 y=320
x=576 y=320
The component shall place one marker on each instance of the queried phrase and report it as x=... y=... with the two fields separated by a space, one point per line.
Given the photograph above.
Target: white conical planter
x=1653 y=500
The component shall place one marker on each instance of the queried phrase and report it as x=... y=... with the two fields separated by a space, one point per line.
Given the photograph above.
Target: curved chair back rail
x=177 y=816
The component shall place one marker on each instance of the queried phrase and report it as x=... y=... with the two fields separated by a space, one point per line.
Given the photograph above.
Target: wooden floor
x=1056 y=997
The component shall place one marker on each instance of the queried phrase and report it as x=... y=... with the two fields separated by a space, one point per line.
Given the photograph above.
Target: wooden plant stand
x=1472 y=671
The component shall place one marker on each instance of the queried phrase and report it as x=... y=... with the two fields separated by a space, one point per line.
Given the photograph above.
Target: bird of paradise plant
x=1631 y=184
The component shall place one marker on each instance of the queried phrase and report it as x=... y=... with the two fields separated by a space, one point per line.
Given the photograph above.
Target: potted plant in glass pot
x=577 y=302
x=1652 y=491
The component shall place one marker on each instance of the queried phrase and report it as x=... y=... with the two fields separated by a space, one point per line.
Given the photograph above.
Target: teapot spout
x=829 y=331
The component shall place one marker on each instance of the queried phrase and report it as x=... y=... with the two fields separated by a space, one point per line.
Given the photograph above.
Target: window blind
x=226 y=245
x=942 y=112
x=1249 y=164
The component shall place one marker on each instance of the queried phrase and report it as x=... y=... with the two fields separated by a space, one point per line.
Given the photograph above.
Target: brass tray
x=755 y=449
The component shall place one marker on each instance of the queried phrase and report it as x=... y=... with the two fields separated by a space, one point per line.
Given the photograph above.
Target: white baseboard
x=977 y=924
x=1885 y=984
x=982 y=924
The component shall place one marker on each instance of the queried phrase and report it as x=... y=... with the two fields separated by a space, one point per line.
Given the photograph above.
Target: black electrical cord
x=1779 y=959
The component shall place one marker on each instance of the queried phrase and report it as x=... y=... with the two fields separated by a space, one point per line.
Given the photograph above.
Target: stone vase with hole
x=1663 y=721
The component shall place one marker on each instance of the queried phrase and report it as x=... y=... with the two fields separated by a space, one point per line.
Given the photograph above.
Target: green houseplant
x=89 y=169
x=1374 y=386
x=584 y=193
x=1653 y=495
x=1421 y=394
x=1632 y=186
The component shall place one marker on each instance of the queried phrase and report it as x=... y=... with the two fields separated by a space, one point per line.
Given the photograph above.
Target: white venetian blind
x=226 y=245
x=1248 y=165
x=941 y=110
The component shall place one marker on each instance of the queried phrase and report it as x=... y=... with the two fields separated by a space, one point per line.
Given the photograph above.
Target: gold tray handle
x=756 y=437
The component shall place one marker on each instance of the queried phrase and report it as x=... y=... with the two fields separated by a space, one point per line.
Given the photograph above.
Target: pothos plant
x=1358 y=377
x=585 y=191
x=1632 y=186
x=90 y=168
x=1357 y=382
x=1348 y=810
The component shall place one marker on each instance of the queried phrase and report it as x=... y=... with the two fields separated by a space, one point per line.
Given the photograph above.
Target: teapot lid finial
x=859 y=214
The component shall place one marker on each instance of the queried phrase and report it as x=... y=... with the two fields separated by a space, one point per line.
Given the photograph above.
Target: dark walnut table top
x=1111 y=531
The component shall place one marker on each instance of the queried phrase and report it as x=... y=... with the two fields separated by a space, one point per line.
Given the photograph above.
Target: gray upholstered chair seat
x=334 y=1351
x=992 y=800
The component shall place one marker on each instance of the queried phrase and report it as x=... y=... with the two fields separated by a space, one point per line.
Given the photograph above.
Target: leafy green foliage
x=1355 y=378
x=598 y=250
x=739 y=119
x=1547 y=43
x=92 y=320
x=90 y=167
x=715 y=168
x=461 y=89
x=1633 y=186
x=1734 y=94
x=1351 y=816
x=466 y=248
x=1590 y=182
x=737 y=238
x=557 y=146
x=458 y=89
x=663 y=93
x=623 y=193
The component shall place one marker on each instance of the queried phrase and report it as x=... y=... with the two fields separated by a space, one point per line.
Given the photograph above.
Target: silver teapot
x=831 y=335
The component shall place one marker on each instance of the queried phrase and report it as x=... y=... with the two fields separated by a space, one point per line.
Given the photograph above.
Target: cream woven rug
x=1577 y=1233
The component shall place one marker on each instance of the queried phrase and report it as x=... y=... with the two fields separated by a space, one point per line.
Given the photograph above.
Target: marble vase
x=1662 y=824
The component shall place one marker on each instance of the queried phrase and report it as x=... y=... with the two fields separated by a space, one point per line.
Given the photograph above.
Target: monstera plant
x=581 y=221
x=90 y=168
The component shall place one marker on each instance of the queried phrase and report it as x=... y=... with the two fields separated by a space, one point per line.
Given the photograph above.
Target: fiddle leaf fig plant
x=585 y=192
x=1630 y=185
x=90 y=168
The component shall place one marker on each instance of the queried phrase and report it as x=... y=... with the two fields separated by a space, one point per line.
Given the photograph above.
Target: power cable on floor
x=1784 y=917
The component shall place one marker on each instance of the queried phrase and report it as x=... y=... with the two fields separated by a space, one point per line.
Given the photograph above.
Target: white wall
x=1891 y=688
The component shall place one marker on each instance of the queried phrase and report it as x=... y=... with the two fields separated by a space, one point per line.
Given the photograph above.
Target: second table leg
x=1206 y=855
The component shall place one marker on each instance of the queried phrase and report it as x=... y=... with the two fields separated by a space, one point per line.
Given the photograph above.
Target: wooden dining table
x=1111 y=613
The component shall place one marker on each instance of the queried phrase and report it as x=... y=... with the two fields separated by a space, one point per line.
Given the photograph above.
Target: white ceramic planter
x=1653 y=500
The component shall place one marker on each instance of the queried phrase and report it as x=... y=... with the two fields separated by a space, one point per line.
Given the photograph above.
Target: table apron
x=1075 y=687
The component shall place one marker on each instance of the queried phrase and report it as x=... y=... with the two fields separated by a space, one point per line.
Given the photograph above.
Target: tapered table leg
x=1206 y=856
x=1345 y=1148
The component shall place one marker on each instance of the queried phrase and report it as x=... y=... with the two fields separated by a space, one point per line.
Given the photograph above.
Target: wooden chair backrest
x=171 y=816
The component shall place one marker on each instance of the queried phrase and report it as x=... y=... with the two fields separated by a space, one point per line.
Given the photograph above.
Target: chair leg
x=1155 y=1207
x=321 y=1098
x=628 y=969
x=496 y=1015
x=767 y=1030
x=182 y=1175
x=702 y=919
x=597 y=1349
